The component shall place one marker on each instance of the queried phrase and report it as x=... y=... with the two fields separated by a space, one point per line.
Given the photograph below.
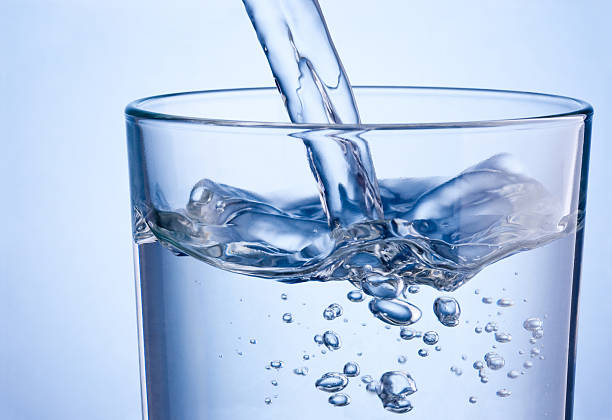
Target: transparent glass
x=211 y=326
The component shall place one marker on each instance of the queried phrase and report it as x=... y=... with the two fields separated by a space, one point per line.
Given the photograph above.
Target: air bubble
x=502 y=337
x=401 y=359
x=478 y=365
x=351 y=369
x=423 y=352
x=331 y=340
x=430 y=338
x=414 y=289
x=355 y=296
x=535 y=352
x=395 y=312
x=494 y=361
x=382 y=287
x=447 y=310
x=505 y=302
x=487 y=300
x=288 y=318
x=537 y=333
x=268 y=401
x=253 y=341
x=394 y=389
x=318 y=339
x=473 y=400
x=513 y=374
x=503 y=393
x=408 y=333
x=276 y=364
x=478 y=330
x=532 y=324
x=339 y=400
x=331 y=382
x=528 y=365
x=366 y=379
x=274 y=382
x=284 y=296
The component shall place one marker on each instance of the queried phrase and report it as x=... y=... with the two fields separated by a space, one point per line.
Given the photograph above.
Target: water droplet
x=331 y=340
x=351 y=369
x=414 y=289
x=268 y=401
x=333 y=311
x=355 y=296
x=274 y=382
x=505 y=302
x=487 y=300
x=423 y=352
x=430 y=338
x=382 y=287
x=253 y=341
x=502 y=337
x=332 y=382
x=318 y=339
x=394 y=389
x=302 y=371
x=395 y=312
x=473 y=400
x=339 y=400
x=491 y=327
x=503 y=393
x=494 y=361
x=528 y=365
x=288 y=318
x=478 y=330
x=513 y=374
x=401 y=359
x=478 y=365
x=532 y=324
x=276 y=364
x=284 y=296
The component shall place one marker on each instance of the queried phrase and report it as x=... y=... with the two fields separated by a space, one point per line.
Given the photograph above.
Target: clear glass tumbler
x=460 y=303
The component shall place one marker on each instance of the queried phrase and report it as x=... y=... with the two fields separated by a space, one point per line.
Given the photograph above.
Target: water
x=207 y=276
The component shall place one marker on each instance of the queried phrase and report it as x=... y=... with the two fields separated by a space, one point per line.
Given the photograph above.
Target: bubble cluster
x=332 y=312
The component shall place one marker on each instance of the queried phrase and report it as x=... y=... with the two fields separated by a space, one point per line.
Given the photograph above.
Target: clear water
x=257 y=307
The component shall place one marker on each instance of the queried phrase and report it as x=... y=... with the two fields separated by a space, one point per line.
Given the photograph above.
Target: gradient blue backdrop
x=67 y=69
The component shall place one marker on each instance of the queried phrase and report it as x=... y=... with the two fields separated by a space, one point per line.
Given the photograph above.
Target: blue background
x=68 y=347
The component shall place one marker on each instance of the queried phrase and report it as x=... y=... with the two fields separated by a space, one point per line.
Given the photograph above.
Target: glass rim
x=135 y=110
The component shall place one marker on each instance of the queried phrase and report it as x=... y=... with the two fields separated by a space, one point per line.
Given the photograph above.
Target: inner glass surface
x=377 y=105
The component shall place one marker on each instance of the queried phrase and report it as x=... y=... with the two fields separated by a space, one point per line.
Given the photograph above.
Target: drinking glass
x=232 y=325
